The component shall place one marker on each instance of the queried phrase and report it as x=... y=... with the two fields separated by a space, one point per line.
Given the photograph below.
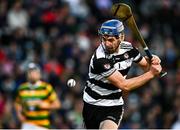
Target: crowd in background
x=61 y=35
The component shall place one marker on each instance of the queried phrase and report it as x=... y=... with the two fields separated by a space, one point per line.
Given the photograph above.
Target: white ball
x=71 y=83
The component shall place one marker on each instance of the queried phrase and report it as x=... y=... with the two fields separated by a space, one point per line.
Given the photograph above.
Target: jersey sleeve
x=104 y=67
x=136 y=55
x=52 y=94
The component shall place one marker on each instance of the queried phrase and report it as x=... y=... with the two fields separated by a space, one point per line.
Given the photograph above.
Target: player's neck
x=35 y=82
x=117 y=50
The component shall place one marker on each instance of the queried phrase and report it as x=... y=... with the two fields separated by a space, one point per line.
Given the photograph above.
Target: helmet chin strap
x=103 y=46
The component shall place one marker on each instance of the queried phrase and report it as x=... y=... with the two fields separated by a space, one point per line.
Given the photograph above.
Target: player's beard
x=113 y=49
x=110 y=50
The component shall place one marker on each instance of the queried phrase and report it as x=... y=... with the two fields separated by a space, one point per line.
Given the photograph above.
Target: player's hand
x=155 y=60
x=43 y=105
x=155 y=69
x=40 y=104
x=33 y=102
x=21 y=117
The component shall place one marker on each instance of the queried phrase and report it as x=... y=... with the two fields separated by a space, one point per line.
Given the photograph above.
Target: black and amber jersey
x=27 y=93
x=98 y=90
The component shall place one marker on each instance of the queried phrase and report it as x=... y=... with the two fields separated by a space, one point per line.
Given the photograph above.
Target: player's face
x=111 y=43
x=33 y=75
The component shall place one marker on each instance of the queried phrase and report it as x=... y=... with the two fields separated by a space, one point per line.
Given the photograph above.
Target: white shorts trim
x=29 y=126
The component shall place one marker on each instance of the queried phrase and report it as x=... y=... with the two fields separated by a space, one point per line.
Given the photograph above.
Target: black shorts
x=94 y=115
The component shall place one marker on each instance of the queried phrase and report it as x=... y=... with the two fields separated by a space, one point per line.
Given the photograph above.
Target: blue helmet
x=111 y=27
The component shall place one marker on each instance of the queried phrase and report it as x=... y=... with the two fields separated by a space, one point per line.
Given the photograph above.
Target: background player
x=34 y=100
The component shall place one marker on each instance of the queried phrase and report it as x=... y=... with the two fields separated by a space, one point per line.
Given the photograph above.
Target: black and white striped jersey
x=98 y=90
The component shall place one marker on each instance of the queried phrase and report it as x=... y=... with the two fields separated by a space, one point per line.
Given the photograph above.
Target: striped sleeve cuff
x=138 y=58
x=108 y=73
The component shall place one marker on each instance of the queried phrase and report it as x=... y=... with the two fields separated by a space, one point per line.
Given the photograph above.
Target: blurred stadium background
x=61 y=35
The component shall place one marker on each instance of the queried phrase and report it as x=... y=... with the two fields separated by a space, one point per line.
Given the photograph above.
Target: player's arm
x=56 y=104
x=151 y=68
x=49 y=105
x=129 y=84
x=105 y=67
x=52 y=102
x=145 y=63
x=18 y=108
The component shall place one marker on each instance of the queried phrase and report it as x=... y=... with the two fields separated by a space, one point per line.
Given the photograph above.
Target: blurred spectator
x=103 y=4
x=2 y=105
x=78 y=8
x=3 y=13
x=83 y=41
x=17 y=16
x=170 y=53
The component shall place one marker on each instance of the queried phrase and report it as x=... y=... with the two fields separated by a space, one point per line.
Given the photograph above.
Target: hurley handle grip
x=149 y=54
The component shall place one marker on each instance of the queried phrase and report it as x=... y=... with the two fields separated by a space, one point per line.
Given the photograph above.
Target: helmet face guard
x=111 y=28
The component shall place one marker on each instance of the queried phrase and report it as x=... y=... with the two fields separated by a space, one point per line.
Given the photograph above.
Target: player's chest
x=122 y=61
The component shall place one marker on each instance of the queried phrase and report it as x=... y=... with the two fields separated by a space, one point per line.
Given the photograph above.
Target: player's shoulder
x=44 y=83
x=100 y=52
x=126 y=45
x=23 y=85
x=47 y=85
